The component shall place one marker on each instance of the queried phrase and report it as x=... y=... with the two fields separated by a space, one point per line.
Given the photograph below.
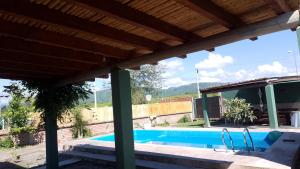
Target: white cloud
x=218 y=72
x=214 y=61
x=276 y=67
x=173 y=64
x=241 y=74
x=171 y=71
x=174 y=82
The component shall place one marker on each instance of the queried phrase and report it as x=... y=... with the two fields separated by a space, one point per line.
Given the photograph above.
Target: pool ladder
x=246 y=131
x=223 y=139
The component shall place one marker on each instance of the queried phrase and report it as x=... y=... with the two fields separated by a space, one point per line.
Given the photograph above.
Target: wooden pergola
x=69 y=41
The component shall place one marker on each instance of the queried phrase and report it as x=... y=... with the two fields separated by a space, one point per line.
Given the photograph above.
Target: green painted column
x=204 y=109
x=271 y=104
x=51 y=140
x=298 y=37
x=122 y=110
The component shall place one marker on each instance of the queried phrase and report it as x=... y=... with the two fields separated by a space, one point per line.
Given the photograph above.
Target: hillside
x=105 y=95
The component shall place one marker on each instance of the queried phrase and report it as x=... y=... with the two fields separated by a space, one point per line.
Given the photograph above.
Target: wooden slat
x=25 y=75
x=51 y=16
x=36 y=68
x=283 y=5
x=15 y=44
x=278 y=6
x=213 y=12
x=59 y=40
x=25 y=58
x=12 y=66
x=134 y=17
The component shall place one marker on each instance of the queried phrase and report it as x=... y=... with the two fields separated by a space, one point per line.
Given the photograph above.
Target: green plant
x=184 y=119
x=56 y=100
x=7 y=142
x=17 y=113
x=164 y=124
x=238 y=110
x=79 y=129
x=19 y=130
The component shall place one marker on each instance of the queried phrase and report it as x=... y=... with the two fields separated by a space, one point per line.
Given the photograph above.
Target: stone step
x=111 y=159
x=156 y=157
x=150 y=159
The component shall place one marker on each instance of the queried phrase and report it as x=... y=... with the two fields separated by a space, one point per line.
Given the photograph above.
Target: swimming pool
x=200 y=139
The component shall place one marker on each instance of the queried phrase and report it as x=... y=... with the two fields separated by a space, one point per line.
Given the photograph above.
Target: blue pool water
x=201 y=139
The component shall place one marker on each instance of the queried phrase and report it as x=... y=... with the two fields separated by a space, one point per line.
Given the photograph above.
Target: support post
x=122 y=110
x=271 y=104
x=204 y=109
x=51 y=140
x=298 y=37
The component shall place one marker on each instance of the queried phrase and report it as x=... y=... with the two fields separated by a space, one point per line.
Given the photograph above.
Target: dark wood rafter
x=59 y=40
x=50 y=16
x=278 y=6
x=254 y=38
x=33 y=59
x=12 y=65
x=23 y=76
x=134 y=17
x=17 y=75
x=15 y=44
x=213 y=12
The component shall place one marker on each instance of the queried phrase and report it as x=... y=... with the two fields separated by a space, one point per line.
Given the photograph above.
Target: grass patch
x=193 y=124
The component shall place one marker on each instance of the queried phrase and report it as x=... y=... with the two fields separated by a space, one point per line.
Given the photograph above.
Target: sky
x=244 y=60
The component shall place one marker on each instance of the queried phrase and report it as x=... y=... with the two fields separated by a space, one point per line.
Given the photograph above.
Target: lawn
x=193 y=124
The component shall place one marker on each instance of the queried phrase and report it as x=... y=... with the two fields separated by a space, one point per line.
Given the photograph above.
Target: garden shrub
x=79 y=129
x=7 y=142
x=184 y=119
x=238 y=110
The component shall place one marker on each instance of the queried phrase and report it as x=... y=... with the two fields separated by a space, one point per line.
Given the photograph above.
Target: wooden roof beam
x=279 y=6
x=60 y=40
x=32 y=59
x=283 y=22
x=15 y=44
x=137 y=18
x=51 y=16
x=254 y=38
x=213 y=12
x=25 y=75
x=22 y=76
x=36 y=67
x=11 y=66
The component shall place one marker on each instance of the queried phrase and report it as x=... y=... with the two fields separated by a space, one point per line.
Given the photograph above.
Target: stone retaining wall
x=65 y=133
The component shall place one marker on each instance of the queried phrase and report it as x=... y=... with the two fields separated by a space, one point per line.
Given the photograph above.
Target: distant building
x=259 y=93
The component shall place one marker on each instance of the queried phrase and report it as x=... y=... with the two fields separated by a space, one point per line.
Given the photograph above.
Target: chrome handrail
x=223 y=139
x=245 y=139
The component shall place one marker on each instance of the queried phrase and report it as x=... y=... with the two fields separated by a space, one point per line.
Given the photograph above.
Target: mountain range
x=105 y=95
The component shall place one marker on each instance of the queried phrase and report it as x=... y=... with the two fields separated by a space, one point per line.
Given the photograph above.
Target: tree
x=18 y=109
x=147 y=80
x=238 y=110
x=50 y=99
x=53 y=102
x=18 y=112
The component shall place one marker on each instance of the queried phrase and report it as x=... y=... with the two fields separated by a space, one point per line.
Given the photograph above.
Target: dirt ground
x=24 y=157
